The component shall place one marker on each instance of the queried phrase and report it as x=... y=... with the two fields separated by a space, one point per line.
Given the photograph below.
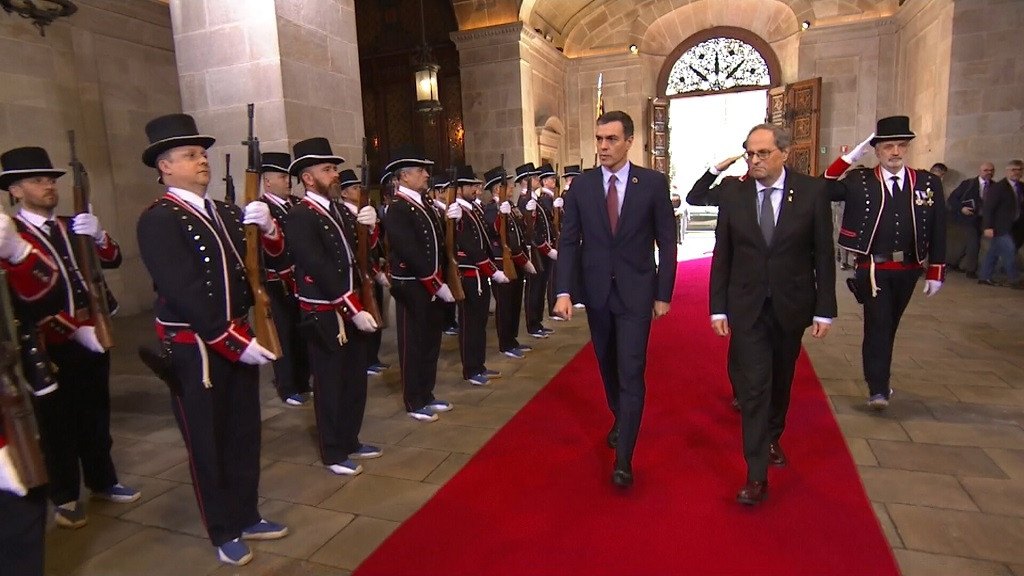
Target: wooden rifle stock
x=366 y=281
x=262 y=320
x=89 y=262
x=507 y=265
x=451 y=276
x=530 y=219
x=19 y=421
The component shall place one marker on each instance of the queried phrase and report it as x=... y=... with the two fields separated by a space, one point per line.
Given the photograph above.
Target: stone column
x=297 y=61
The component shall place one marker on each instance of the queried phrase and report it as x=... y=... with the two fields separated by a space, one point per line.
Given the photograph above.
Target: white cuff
x=822 y=320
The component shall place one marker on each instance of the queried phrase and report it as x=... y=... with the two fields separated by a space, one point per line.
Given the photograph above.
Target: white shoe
x=346 y=468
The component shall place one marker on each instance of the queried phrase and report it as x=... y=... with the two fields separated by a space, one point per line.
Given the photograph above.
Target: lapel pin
x=635 y=180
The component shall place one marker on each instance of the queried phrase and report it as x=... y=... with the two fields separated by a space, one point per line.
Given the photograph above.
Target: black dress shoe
x=623 y=476
x=776 y=457
x=613 y=436
x=736 y=405
x=753 y=493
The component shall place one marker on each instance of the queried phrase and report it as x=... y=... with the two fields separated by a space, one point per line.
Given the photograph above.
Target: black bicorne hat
x=439 y=181
x=893 y=128
x=573 y=170
x=171 y=131
x=406 y=157
x=26 y=162
x=311 y=152
x=546 y=171
x=275 y=162
x=348 y=178
x=525 y=170
x=465 y=175
x=493 y=176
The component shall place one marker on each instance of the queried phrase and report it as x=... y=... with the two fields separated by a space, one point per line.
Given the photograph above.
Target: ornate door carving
x=798 y=108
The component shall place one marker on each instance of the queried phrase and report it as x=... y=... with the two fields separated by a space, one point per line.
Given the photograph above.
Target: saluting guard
x=192 y=246
x=895 y=221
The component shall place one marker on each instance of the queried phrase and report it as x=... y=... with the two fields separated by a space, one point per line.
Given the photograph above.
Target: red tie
x=613 y=204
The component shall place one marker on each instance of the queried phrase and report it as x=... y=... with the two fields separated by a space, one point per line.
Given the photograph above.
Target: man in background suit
x=965 y=205
x=1001 y=210
x=772 y=275
x=613 y=217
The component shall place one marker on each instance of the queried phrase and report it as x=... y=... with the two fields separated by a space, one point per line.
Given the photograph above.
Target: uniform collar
x=33 y=218
x=195 y=200
x=411 y=194
x=319 y=200
x=351 y=207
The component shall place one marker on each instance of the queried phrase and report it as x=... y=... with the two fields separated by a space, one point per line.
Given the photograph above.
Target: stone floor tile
x=512 y=396
x=965 y=413
x=391 y=430
x=480 y=416
x=870 y=426
x=66 y=550
x=914 y=563
x=300 y=446
x=144 y=458
x=861 y=452
x=181 y=473
x=952 y=460
x=175 y=510
x=996 y=496
x=957 y=533
x=989 y=395
x=309 y=528
x=448 y=437
x=380 y=497
x=266 y=564
x=1010 y=461
x=155 y=552
x=354 y=543
x=298 y=483
x=447 y=469
x=919 y=488
x=844 y=387
x=909 y=386
x=892 y=535
x=900 y=408
x=985 y=435
x=405 y=462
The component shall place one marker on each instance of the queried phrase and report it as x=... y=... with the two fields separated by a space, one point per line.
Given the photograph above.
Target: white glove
x=531 y=205
x=367 y=216
x=445 y=293
x=364 y=321
x=86 y=336
x=382 y=279
x=254 y=353
x=530 y=268
x=9 y=479
x=258 y=213
x=500 y=277
x=12 y=246
x=931 y=287
x=454 y=211
x=440 y=205
x=505 y=207
x=85 y=224
x=858 y=150
x=553 y=254
x=559 y=202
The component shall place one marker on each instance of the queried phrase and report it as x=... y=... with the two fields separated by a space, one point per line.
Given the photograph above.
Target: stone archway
x=550 y=140
x=746 y=36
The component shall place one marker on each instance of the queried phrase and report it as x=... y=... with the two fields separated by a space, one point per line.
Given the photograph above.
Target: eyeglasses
x=761 y=154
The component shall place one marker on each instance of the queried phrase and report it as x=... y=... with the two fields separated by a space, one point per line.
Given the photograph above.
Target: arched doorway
x=717 y=84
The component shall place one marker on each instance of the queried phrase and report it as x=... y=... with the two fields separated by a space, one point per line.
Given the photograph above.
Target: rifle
x=263 y=322
x=229 y=181
x=507 y=265
x=452 y=272
x=529 y=218
x=556 y=218
x=19 y=421
x=89 y=263
x=366 y=281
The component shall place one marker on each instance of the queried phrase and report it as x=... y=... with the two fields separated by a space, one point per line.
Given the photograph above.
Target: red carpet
x=537 y=500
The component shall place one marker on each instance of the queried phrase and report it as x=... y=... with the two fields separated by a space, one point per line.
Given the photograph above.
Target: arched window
x=718 y=64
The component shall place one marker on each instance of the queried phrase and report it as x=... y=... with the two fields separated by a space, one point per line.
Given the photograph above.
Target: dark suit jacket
x=1002 y=208
x=798 y=266
x=967 y=192
x=703 y=194
x=628 y=256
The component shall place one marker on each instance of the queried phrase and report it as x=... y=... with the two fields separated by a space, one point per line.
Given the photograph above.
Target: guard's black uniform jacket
x=280 y=267
x=474 y=243
x=865 y=216
x=416 y=234
x=324 y=260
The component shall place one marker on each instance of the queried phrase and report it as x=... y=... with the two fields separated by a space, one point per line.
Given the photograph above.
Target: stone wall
x=104 y=72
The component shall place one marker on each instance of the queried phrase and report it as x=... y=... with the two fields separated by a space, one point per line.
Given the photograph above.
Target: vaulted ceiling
x=583 y=27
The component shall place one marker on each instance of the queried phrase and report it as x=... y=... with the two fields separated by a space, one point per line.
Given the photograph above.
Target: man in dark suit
x=772 y=275
x=1001 y=210
x=965 y=204
x=613 y=217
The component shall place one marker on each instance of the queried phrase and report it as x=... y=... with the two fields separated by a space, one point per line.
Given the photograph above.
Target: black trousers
x=536 y=288
x=419 y=319
x=339 y=379
x=473 y=313
x=74 y=423
x=22 y=530
x=221 y=429
x=762 y=361
x=373 y=340
x=882 y=315
x=291 y=370
x=508 y=306
x=450 y=315
x=620 y=343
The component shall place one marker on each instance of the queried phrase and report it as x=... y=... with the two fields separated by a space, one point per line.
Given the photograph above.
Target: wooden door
x=657 y=112
x=797 y=107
